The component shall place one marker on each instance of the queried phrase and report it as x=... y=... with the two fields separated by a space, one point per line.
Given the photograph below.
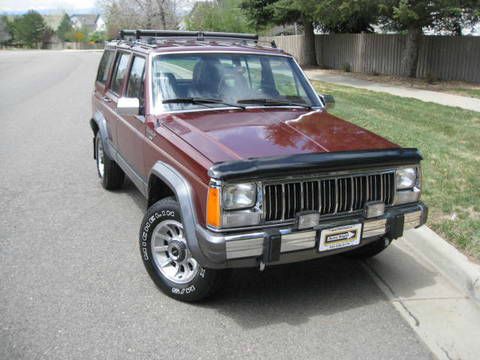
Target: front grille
x=328 y=196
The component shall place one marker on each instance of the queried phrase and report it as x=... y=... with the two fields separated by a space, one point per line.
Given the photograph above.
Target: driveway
x=72 y=283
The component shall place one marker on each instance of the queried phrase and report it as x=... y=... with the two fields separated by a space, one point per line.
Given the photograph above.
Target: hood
x=254 y=133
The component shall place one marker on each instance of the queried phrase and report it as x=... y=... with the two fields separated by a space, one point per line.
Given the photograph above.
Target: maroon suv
x=240 y=161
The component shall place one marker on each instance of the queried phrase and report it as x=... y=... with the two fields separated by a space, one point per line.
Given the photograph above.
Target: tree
x=139 y=14
x=327 y=15
x=5 y=34
x=346 y=16
x=412 y=16
x=97 y=36
x=30 y=29
x=267 y=12
x=222 y=15
x=64 y=28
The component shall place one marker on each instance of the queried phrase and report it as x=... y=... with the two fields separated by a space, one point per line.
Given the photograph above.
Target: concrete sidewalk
x=437 y=306
x=463 y=102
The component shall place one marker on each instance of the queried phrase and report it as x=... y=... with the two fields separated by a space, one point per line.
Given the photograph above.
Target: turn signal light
x=213 y=207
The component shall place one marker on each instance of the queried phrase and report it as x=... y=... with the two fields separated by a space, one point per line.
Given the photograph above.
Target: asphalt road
x=72 y=284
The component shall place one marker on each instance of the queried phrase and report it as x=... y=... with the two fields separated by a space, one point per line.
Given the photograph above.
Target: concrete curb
x=447 y=259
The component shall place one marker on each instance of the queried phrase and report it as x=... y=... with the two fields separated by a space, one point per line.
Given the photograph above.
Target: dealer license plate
x=340 y=237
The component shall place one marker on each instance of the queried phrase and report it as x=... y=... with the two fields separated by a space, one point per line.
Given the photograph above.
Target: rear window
x=105 y=63
x=119 y=72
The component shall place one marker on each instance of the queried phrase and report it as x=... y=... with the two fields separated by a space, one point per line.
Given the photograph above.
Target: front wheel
x=167 y=258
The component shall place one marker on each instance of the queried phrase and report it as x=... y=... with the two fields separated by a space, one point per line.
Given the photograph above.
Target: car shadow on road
x=130 y=189
x=294 y=293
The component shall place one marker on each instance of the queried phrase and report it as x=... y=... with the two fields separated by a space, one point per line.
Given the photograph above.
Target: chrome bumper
x=226 y=249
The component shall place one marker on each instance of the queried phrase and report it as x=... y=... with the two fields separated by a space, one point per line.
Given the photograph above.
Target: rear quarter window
x=104 y=66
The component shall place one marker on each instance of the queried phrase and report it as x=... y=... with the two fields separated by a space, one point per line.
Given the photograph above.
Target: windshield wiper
x=200 y=101
x=272 y=102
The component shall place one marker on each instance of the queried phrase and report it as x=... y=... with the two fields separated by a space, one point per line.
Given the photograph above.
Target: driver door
x=131 y=128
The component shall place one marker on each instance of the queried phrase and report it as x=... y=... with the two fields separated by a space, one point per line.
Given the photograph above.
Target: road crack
x=394 y=295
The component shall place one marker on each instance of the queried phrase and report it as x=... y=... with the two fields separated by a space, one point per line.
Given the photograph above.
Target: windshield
x=199 y=81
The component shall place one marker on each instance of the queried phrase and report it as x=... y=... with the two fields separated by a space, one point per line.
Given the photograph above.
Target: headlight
x=408 y=185
x=239 y=196
x=232 y=206
x=406 y=178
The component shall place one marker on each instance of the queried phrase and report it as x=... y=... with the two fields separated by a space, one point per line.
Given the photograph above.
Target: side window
x=104 y=67
x=254 y=72
x=135 y=85
x=119 y=72
x=285 y=81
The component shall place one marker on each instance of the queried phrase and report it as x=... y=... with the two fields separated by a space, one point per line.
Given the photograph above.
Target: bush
x=431 y=78
x=346 y=67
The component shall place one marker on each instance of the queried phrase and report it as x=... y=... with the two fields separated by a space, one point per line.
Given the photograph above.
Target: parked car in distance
x=239 y=160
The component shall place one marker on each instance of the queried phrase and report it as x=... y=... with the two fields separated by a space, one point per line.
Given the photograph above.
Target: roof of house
x=53 y=21
x=86 y=20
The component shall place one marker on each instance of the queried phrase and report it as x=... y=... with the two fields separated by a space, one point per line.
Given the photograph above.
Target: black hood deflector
x=317 y=162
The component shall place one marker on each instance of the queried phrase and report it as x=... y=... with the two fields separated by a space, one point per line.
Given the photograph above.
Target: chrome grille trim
x=342 y=194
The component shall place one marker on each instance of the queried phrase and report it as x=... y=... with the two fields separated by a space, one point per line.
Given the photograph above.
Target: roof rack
x=198 y=35
x=195 y=35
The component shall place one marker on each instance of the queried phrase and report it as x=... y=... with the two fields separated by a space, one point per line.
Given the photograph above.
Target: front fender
x=184 y=195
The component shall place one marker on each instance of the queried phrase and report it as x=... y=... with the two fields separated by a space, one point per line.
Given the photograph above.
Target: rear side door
x=115 y=90
x=99 y=103
x=131 y=128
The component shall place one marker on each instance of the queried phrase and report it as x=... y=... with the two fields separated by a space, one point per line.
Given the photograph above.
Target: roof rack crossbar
x=198 y=35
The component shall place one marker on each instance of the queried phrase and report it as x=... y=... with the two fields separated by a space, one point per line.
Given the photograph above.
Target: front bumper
x=286 y=244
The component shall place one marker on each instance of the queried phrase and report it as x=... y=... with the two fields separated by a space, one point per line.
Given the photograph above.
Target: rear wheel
x=111 y=175
x=370 y=250
x=167 y=258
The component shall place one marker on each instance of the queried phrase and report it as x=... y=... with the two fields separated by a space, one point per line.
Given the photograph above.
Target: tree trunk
x=410 y=54
x=310 y=57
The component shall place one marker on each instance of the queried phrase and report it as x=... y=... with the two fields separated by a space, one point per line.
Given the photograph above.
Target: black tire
x=370 y=250
x=206 y=281
x=113 y=176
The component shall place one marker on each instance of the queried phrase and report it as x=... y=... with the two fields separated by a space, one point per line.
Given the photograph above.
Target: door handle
x=107 y=99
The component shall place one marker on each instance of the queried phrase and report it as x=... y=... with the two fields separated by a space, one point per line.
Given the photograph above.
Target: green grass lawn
x=449 y=140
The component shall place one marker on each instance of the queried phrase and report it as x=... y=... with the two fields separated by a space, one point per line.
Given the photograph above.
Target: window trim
x=135 y=55
x=122 y=87
x=297 y=68
x=108 y=70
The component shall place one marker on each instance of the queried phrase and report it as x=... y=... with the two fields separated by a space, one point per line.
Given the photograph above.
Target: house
x=53 y=21
x=90 y=22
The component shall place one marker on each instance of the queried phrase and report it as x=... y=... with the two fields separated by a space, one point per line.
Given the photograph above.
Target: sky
x=10 y=6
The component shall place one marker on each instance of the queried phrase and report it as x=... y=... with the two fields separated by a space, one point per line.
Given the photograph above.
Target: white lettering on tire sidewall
x=147 y=226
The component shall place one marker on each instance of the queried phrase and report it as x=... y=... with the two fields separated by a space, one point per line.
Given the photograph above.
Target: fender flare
x=101 y=123
x=184 y=195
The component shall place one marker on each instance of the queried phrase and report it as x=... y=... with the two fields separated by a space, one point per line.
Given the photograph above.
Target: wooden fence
x=442 y=57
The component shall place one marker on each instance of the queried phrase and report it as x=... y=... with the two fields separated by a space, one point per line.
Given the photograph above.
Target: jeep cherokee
x=239 y=160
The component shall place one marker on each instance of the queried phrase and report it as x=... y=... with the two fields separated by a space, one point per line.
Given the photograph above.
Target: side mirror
x=128 y=106
x=328 y=100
